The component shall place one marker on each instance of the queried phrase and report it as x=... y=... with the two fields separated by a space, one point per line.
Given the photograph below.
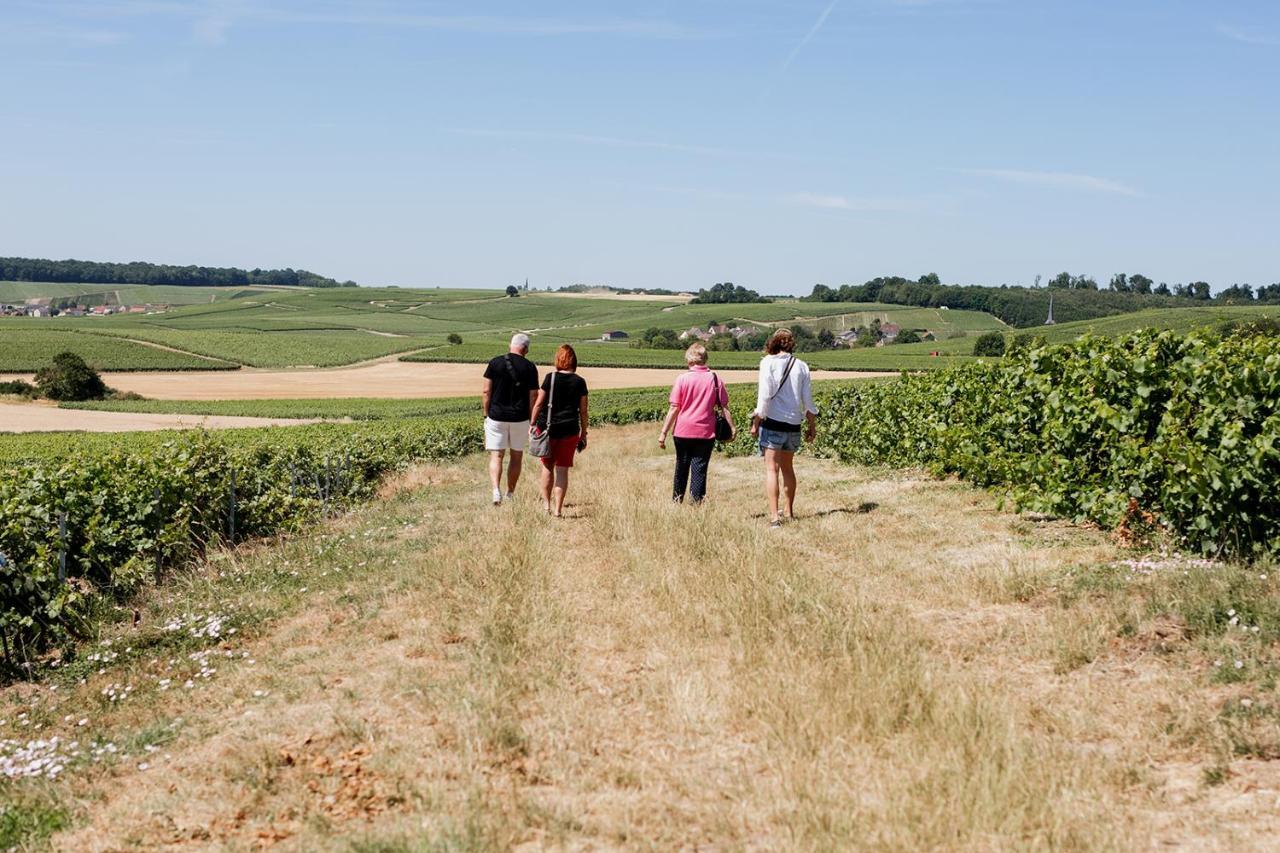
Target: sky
x=647 y=144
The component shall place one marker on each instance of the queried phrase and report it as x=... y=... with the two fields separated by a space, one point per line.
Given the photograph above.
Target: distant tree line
x=1075 y=297
x=727 y=292
x=139 y=272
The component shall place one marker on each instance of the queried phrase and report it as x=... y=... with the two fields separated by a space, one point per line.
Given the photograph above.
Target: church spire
x=1050 y=321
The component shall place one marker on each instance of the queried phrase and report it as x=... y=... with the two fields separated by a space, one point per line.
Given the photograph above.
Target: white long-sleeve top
x=793 y=399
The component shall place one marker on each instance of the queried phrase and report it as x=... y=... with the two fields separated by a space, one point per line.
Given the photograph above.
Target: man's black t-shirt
x=570 y=389
x=510 y=386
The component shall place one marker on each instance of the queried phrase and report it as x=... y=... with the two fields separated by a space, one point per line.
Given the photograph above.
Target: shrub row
x=91 y=525
x=1184 y=427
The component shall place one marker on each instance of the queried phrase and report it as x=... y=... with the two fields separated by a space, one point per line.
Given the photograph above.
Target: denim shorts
x=772 y=439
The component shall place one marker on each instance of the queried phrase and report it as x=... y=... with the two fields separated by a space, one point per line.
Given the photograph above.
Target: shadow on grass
x=861 y=509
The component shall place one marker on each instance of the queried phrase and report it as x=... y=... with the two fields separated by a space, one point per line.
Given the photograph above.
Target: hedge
x=156 y=502
x=1182 y=427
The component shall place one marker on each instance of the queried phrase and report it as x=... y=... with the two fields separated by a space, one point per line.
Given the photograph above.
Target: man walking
x=510 y=387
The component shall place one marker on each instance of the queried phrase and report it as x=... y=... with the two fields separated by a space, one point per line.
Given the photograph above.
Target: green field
x=1174 y=319
x=24 y=349
x=125 y=294
x=600 y=354
x=291 y=348
x=296 y=327
x=286 y=327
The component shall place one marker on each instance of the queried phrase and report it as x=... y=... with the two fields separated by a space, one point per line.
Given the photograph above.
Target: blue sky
x=773 y=144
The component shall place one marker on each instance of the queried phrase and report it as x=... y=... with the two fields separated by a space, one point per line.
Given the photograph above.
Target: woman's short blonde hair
x=780 y=341
x=696 y=354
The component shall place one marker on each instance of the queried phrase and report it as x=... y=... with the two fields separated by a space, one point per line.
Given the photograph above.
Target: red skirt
x=562 y=450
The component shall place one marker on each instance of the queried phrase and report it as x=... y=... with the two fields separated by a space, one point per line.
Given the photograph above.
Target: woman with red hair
x=564 y=392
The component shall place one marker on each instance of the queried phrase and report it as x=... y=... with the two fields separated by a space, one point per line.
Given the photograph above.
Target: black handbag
x=724 y=429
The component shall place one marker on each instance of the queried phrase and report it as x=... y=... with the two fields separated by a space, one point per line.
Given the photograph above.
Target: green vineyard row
x=92 y=525
x=1179 y=431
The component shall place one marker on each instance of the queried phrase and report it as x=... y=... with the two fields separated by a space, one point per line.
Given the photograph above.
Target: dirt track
x=383 y=378
x=36 y=417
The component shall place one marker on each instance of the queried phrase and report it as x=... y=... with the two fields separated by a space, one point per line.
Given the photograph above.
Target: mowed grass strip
x=884 y=673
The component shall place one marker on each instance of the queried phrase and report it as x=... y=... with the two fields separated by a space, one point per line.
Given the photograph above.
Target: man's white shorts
x=506 y=435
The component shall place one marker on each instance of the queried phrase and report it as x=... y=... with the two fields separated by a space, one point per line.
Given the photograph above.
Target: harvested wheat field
x=900 y=668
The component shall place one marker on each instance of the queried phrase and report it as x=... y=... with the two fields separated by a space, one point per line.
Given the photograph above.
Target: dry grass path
x=888 y=672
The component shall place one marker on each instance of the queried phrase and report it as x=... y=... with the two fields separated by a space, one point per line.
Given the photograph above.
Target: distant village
x=877 y=334
x=45 y=306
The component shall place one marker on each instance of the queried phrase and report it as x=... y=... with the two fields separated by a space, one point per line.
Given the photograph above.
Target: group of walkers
x=550 y=420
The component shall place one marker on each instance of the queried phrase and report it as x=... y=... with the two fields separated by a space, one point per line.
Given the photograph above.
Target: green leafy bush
x=1185 y=427
x=69 y=378
x=19 y=388
x=989 y=344
x=136 y=507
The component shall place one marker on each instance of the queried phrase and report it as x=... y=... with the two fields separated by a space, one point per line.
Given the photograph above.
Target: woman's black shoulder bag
x=724 y=429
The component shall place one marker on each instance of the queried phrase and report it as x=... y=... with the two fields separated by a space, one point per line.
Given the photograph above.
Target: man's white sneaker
x=497 y=497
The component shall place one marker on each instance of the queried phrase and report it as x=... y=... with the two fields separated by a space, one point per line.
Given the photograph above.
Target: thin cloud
x=1055 y=180
x=211 y=20
x=808 y=37
x=612 y=141
x=1247 y=36
x=97 y=38
x=795 y=51
x=702 y=192
x=863 y=204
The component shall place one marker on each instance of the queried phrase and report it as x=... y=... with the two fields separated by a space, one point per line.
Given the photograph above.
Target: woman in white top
x=784 y=404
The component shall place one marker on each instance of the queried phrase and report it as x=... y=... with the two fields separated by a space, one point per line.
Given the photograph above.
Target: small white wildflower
x=1239 y=664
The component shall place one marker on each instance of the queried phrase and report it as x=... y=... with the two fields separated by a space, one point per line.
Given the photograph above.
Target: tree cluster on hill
x=1074 y=298
x=727 y=292
x=140 y=272
x=655 y=338
x=1239 y=294
x=989 y=344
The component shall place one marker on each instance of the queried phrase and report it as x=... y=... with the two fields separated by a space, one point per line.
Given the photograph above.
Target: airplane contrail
x=808 y=37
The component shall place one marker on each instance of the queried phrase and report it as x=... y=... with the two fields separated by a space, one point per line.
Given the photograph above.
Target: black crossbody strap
x=783 y=381
x=511 y=371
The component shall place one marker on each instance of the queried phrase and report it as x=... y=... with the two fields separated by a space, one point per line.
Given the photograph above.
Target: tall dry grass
x=902 y=668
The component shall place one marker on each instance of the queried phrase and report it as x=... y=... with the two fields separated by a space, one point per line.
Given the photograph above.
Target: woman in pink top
x=694 y=400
